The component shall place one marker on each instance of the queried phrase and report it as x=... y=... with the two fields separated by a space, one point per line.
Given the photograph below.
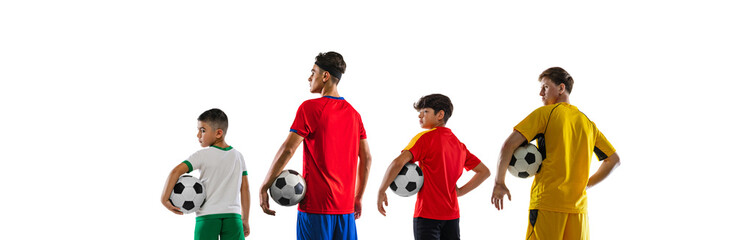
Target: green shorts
x=226 y=226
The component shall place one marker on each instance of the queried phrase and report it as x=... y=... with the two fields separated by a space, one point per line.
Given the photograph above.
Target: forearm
x=604 y=170
x=393 y=170
x=481 y=174
x=279 y=162
x=245 y=199
x=512 y=142
x=171 y=181
x=364 y=168
x=503 y=163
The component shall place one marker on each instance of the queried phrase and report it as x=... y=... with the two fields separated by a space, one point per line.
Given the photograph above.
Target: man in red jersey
x=336 y=155
x=442 y=158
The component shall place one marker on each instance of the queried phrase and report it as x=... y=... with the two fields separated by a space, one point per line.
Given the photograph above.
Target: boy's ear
x=326 y=76
x=219 y=133
x=561 y=88
x=441 y=115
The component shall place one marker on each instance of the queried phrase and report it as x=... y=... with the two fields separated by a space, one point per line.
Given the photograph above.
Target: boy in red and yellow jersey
x=442 y=158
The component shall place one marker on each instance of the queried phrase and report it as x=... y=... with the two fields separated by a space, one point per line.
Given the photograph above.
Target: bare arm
x=389 y=176
x=286 y=151
x=169 y=186
x=364 y=168
x=481 y=174
x=245 y=205
x=499 y=190
x=604 y=170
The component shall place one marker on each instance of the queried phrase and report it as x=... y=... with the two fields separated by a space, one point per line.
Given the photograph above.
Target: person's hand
x=246 y=229
x=172 y=208
x=382 y=200
x=459 y=191
x=358 y=208
x=498 y=192
x=264 y=202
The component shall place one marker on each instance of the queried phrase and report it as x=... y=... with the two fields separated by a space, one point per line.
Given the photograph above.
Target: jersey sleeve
x=361 y=129
x=603 y=149
x=243 y=168
x=471 y=161
x=301 y=125
x=194 y=161
x=534 y=123
x=415 y=147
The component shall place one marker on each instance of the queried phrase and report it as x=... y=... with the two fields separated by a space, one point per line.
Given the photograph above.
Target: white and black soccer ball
x=289 y=188
x=526 y=161
x=409 y=180
x=188 y=194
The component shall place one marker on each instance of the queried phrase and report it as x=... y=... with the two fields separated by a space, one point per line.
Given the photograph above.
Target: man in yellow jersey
x=567 y=140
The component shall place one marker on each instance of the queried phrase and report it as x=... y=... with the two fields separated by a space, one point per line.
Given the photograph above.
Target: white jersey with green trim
x=221 y=173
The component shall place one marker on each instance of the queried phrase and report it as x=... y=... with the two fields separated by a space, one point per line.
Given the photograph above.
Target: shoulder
x=426 y=133
x=235 y=151
x=547 y=108
x=312 y=102
x=200 y=155
x=421 y=135
x=202 y=151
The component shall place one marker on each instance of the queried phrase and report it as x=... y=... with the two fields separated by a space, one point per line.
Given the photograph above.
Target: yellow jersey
x=567 y=139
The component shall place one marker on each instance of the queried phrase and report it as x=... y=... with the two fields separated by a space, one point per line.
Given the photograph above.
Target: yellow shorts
x=547 y=225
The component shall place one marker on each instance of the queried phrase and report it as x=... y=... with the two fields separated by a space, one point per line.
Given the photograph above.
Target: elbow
x=482 y=171
x=288 y=150
x=486 y=172
x=366 y=159
x=614 y=159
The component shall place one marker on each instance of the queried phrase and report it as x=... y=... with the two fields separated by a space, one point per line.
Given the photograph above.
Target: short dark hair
x=216 y=118
x=331 y=60
x=436 y=102
x=558 y=75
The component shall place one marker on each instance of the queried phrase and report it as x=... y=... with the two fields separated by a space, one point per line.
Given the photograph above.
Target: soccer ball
x=526 y=161
x=188 y=194
x=289 y=188
x=409 y=180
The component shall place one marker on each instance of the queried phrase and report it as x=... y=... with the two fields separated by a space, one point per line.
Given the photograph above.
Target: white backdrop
x=100 y=98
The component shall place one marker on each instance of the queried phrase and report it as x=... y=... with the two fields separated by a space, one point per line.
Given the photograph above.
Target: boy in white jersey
x=225 y=211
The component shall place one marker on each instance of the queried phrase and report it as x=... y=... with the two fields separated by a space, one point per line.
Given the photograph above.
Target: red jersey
x=332 y=130
x=442 y=158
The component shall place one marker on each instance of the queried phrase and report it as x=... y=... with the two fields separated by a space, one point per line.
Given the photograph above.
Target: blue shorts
x=325 y=226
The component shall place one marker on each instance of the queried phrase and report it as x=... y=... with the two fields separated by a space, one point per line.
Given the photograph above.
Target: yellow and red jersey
x=442 y=158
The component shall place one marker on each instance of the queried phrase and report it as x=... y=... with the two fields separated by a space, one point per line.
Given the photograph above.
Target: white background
x=99 y=101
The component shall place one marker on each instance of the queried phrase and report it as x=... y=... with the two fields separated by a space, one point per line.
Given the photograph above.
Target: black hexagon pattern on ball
x=411 y=186
x=530 y=158
x=284 y=201
x=188 y=205
x=298 y=189
x=179 y=188
x=197 y=188
x=280 y=183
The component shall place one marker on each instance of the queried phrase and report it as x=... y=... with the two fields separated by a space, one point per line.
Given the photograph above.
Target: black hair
x=216 y=118
x=331 y=61
x=436 y=102
x=558 y=76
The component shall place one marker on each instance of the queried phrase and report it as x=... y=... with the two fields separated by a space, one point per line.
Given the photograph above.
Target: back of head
x=558 y=76
x=436 y=102
x=333 y=63
x=216 y=118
